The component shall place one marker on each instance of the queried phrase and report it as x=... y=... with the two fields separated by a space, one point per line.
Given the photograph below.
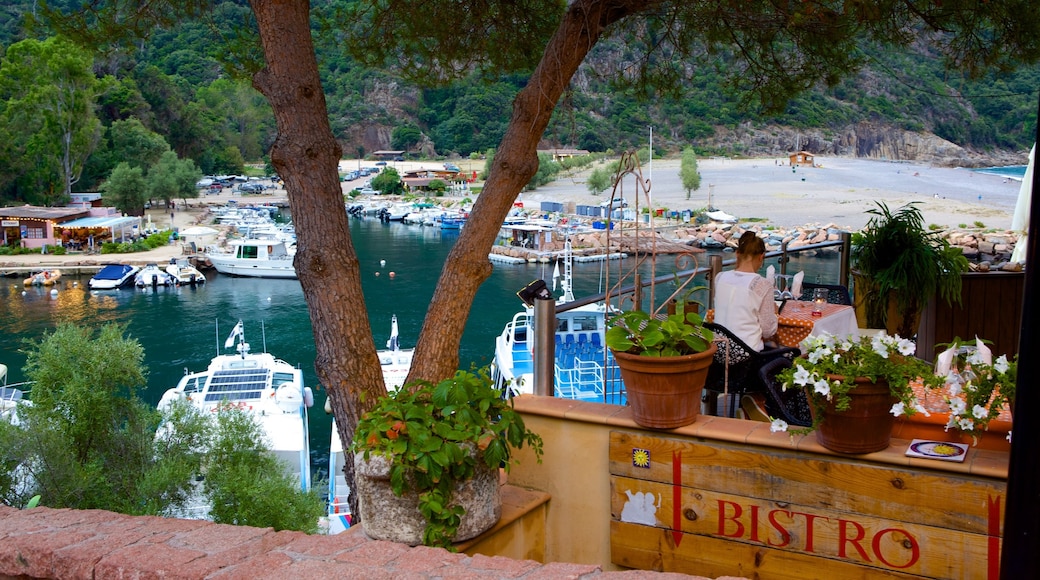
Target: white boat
x=395 y=362
x=583 y=367
x=113 y=276
x=152 y=276
x=11 y=396
x=184 y=273
x=258 y=258
x=269 y=389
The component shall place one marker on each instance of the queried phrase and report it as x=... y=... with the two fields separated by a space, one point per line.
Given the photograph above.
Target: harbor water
x=181 y=328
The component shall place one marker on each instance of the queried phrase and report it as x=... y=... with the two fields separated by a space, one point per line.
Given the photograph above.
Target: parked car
x=250 y=187
x=398 y=158
x=214 y=188
x=380 y=162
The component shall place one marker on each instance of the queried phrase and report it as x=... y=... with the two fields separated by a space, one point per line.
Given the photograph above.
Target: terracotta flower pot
x=867 y=424
x=665 y=392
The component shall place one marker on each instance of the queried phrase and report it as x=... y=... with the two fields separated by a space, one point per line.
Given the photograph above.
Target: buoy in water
x=24 y=292
x=377 y=274
x=382 y=262
x=54 y=291
x=392 y=274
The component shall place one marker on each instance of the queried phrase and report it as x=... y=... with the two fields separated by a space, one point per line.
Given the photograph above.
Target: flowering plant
x=975 y=386
x=830 y=366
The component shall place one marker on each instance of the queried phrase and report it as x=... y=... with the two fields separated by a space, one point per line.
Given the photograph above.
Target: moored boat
x=583 y=369
x=395 y=363
x=44 y=278
x=269 y=389
x=113 y=276
x=184 y=273
x=258 y=258
x=152 y=276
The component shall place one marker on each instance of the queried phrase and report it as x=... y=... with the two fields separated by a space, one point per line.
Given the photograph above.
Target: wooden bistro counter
x=729 y=497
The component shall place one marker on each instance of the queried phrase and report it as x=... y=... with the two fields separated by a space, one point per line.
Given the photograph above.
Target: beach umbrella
x=199 y=231
x=1020 y=221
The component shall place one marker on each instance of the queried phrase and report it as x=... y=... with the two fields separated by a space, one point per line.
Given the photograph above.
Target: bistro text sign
x=713 y=509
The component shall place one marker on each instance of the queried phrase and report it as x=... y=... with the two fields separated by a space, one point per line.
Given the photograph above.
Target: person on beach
x=743 y=299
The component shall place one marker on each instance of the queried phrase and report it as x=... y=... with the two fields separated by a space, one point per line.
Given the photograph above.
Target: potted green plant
x=427 y=460
x=664 y=363
x=856 y=388
x=898 y=266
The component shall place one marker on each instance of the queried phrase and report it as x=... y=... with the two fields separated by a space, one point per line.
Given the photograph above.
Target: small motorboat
x=152 y=275
x=113 y=276
x=184 y=274
x=44 y=278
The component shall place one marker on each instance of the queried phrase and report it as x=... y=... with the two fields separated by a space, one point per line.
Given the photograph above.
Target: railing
x=570 y=381
x=716 y=265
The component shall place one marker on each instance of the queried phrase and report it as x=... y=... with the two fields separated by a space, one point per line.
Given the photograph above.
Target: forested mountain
x=175 y=92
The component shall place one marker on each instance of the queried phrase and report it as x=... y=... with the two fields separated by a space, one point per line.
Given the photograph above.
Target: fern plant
x=896 y=253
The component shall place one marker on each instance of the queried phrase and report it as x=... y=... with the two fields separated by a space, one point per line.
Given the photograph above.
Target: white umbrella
x=199 y=231
x=1020 y=221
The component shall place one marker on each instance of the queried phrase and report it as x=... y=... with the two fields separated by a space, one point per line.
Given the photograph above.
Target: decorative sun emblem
x=641 y=458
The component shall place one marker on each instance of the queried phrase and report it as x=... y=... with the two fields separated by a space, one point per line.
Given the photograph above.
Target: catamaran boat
x=258 y=258
x=113 y=276
x=269 y=389
x=395 y=362
x=583 y=369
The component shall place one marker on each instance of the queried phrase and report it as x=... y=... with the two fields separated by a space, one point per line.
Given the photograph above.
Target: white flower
x=970 y=386
x=966 y=424
x=879 y=346
x=818 y=354
x=897 y=409
x=822 y=387
x=975 y=358
x=957 y=406
x=951 y=422
x=954 y=388
x=920 y=409
x=979 y=412
x=777 y=426
x=801 y=376
x=1001 y=366
x=1009 y=437
x=906 y=347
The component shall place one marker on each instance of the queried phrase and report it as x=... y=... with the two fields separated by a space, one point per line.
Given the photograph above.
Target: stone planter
x=665 y=392
x=384 y=516
x=865 y=427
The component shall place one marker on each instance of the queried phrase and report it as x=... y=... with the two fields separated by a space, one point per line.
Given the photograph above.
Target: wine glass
x=778 y=292
x=785 y=293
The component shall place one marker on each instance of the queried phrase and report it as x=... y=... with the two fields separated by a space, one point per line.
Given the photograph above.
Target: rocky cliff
x=869 y=140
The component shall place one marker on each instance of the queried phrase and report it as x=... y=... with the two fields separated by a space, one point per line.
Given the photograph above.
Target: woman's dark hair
x=750 y=245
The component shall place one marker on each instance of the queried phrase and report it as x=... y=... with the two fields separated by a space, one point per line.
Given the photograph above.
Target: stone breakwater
x=985 y=249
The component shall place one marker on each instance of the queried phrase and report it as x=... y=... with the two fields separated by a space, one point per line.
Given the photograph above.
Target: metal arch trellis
x=628 y=271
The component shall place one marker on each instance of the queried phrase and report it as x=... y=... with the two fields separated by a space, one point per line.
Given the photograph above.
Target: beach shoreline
x=838 y=192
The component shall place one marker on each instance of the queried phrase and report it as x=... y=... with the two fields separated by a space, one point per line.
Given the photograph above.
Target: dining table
x=796 y=321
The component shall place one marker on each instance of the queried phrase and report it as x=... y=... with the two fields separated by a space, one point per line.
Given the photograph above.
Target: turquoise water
x=178 y=327
x=1016 y=172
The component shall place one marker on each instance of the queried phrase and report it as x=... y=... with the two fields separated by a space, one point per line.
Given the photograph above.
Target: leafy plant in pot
x=664 y=363
x=424 y=449
x=898 y=266
x=856 y=388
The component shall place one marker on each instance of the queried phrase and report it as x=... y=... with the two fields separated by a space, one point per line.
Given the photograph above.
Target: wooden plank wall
x=715 y=509
x=991 y=308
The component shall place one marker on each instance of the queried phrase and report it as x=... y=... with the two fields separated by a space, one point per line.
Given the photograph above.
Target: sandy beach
x=838 y=191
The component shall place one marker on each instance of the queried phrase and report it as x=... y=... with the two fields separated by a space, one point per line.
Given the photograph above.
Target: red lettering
x=784 y=534
x=739 y=533
x=915 y=549
x=844 y=538
x=809 y=519
x=754 y=523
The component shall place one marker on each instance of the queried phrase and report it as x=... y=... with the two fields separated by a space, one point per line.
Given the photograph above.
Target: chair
x=836 y=294
x=791 y=405
x=743 y=362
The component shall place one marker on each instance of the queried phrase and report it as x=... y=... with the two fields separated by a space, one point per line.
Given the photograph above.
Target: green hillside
x=176 y=91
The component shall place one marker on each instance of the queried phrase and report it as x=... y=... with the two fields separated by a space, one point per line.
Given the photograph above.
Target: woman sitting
x=743 y=299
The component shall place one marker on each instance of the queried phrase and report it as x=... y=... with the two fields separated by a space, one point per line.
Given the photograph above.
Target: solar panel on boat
x=237 y=384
